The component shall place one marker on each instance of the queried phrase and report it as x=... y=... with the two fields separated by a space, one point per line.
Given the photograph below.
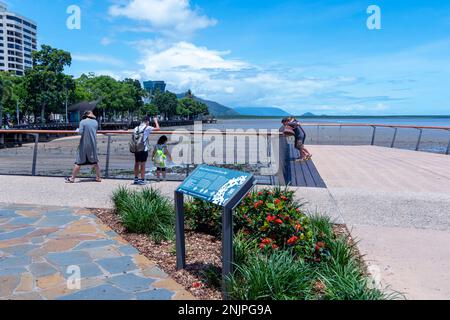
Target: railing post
x=318 y=134
x=340 y=135
x=395 y=137
x=108 y=155
x=374 y=135
x=419 y=140
x=35 y=153
x=448 y=148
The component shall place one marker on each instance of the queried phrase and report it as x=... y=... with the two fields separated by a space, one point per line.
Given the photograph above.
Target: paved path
x=397 y=203
x=40 y=245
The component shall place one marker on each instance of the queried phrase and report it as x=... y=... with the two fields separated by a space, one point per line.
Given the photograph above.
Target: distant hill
x=215 y=108
x=263 y=111
x=309 y=114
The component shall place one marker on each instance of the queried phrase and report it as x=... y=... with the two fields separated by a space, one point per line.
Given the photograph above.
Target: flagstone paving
x=41 y=249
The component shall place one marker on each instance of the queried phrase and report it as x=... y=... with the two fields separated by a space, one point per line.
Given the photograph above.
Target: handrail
x=393 y=126
x=119 y=132
x=122 y=132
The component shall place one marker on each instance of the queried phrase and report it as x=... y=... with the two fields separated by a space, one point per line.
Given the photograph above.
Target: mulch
x=202 y=252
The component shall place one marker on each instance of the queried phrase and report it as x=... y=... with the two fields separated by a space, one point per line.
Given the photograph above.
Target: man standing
x=140 y=146
x=87 y=151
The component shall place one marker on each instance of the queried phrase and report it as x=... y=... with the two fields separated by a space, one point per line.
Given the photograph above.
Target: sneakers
x=139 y=182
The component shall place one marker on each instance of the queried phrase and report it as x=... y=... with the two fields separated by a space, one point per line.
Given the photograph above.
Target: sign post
x=223 y=187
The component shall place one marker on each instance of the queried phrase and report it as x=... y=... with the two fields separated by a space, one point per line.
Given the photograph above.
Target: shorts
x=299 y=144
x=161 y=169
x=141 y=157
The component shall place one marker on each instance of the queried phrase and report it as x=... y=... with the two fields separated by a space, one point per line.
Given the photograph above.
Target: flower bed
x=280 y=252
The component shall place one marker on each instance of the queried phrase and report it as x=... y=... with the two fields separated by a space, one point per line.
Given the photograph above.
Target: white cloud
x=170 y=17
x=214 y=75
x=97 y=59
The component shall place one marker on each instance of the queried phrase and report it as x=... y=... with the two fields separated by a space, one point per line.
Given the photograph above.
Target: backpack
x=137 y=143
x=160 y=157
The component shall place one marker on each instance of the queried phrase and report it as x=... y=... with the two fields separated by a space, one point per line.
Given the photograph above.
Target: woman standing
x=87 y=151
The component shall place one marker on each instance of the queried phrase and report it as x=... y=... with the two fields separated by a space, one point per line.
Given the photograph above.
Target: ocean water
x=431 y=141
x=276 y=123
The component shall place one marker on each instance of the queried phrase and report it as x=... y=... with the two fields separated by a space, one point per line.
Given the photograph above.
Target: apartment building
x=18 y=39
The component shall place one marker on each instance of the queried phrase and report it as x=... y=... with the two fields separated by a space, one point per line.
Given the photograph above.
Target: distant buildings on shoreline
x=154 y=86
x=18 y=39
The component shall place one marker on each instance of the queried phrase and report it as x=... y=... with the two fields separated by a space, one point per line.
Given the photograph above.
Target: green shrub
x=204 y=217
x=244 y=247
x=146 y=212
x=276 y=219
x=278 y=276
x=343 y=278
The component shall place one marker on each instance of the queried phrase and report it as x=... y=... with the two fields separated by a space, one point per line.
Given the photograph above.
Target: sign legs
x=227 y=247
x=179 y=226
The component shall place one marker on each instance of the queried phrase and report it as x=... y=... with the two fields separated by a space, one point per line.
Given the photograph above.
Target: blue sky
x=316 y=56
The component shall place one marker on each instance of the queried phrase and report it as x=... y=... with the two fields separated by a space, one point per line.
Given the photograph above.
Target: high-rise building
x=18 y=39
x=153 y=86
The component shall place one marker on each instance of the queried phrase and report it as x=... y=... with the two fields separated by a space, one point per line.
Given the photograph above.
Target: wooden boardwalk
x=301 y=174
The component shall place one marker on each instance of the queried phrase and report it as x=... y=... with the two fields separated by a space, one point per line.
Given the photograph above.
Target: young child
x=160 y=155
x=300 y=137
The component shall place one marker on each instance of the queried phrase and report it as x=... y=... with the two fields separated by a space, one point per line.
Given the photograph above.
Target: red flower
x=298 y=210
x=262 y=246
x=267 y=241
x=298 y=227
x=260 y=194
x=274 y=246
x=279 y=221
x=292 y=240
x=320 y=245
x=197 y=285
x=258 y=204
x=277 y=201
x=270 y=218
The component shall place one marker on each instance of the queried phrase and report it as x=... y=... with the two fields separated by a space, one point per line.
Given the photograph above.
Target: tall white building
x=18 y=39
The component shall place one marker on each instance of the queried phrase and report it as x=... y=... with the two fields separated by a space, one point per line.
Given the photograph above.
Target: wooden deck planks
x=302 y=174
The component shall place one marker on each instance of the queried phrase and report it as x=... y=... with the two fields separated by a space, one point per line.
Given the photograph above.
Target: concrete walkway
x=396 y=203
x=42 y=247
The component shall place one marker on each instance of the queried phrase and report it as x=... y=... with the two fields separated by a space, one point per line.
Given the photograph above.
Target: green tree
x=166 y=103
x=46 y=82
x=188 y=107
x=5 y=93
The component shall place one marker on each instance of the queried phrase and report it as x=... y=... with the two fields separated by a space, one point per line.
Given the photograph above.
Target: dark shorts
x=141 y=156
x=161 y=169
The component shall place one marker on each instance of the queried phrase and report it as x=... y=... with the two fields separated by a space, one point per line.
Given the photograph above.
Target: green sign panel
x=215 y=185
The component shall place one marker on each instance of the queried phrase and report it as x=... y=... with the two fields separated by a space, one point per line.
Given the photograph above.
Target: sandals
x=98 y=180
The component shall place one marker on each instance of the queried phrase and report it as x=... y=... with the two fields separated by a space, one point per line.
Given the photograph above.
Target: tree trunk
x=43 y=114
x=1 y=115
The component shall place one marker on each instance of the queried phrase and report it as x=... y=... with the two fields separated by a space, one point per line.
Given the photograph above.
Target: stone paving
x=42 y=247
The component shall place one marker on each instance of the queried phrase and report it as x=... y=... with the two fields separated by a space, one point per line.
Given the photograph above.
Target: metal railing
x=375 y=127
x=188 y=167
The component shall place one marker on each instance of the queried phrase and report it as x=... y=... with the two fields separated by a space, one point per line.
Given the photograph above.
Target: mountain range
x=219 y=110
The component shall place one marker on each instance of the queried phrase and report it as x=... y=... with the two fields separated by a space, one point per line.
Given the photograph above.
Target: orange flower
x=284 y=198
x=298 y=227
